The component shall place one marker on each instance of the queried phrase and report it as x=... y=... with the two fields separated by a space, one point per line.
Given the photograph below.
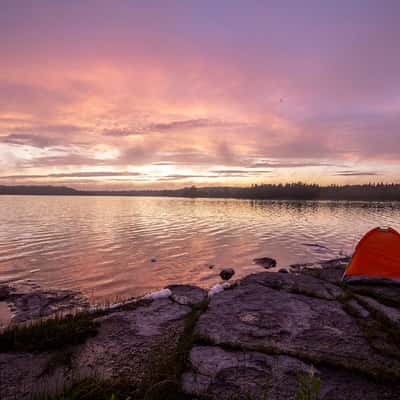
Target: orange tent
x=377 y=257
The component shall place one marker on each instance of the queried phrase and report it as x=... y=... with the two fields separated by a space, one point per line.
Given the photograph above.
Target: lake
x=103 y=246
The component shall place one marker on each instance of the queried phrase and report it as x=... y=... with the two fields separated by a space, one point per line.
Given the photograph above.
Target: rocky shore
x=252 y=340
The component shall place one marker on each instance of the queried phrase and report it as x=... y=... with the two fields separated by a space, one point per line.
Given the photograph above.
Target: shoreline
x=283 y=199
x=289 y=191
x=257 y=336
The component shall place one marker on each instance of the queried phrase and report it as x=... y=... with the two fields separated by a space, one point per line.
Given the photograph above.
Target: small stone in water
x=266 y=262
x=153 y=259
x=227 y=273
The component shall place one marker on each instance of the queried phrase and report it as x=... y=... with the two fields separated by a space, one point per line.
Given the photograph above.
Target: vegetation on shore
x=289 y=191
x=161 y=383
x=48 y=334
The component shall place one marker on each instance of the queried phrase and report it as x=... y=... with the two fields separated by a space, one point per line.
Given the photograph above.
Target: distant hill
x=290 y=191
x=38 y=190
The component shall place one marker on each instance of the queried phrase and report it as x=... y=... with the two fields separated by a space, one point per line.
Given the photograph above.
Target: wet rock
x=218 y=288
x=28 y=305
x=254 y=316
x=227 y=273
x=266 y=262
x=159 y=294
x=283 y=271
x=215 y=373
x=187 y=294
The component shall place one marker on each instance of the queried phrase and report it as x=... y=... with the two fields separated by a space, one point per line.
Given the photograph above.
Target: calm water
x=103 y=245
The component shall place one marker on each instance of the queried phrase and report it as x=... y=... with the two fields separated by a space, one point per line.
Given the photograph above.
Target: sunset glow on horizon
x=119 y=94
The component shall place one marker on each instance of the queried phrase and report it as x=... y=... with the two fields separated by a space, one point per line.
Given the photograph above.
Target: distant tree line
x=289 y=191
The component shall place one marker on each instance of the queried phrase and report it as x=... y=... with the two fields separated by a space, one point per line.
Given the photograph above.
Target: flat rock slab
x=254 y=316
x=128 y=341
x=187 y=294
x=294 y=283
x=31 y=302
x=331 y=270
x=224 y=375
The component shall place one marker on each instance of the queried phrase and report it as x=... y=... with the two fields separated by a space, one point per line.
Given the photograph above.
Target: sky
x=122 y=94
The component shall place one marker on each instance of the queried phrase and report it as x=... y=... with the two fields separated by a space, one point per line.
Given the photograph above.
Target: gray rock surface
x=385 y=294
x=256 y=317
x=294 y=283
x=24 y=375
x=187 y=294
x=220 y=374
x=391 y=314
x=255 y=338
x=31 y=302
x=330 y=270
x=128 y=341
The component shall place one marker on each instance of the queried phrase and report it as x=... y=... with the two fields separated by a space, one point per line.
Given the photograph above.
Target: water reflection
x=103 y=245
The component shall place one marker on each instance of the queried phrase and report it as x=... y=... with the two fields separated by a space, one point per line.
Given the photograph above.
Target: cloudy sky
x=145 y=94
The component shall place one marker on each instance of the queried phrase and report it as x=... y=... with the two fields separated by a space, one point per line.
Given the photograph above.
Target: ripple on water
x=103 y=245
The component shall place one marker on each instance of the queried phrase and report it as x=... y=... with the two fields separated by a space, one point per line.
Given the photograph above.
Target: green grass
x=309 y=386
x=48 y=334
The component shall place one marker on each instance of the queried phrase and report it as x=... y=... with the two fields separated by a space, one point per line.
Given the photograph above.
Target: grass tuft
x=48 y=334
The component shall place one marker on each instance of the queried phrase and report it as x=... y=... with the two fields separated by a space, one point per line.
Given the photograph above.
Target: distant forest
x=290 y=191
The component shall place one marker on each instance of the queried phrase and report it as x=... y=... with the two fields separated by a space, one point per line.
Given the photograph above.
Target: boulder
x=227 y=273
